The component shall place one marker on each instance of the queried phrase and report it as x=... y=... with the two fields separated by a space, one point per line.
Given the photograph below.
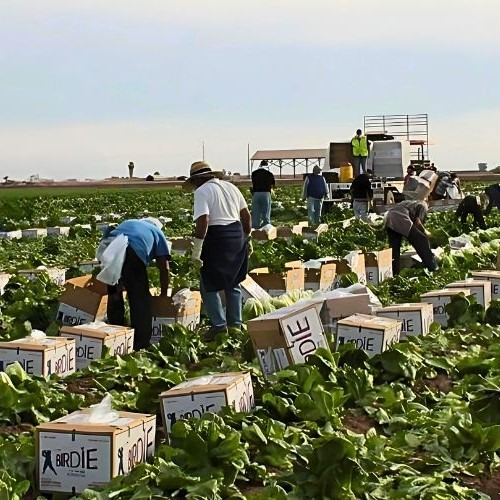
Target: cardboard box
x=181 y=246
x=372 y=334
x=264 y=234
x=67 y=219
x=58 y=231
x=34 y=232
x=336 y=307
x=310 y=233
x=91 y=340
x=493 y=277
x=353 y=262
x=11 y=235
x=83 y=300
x=58 y=276
x=251 y=289
x=290 y=231
x=321 y=278
x=277 y=284
x=416 y=318
x=286 y=336
x=72 y=454
x=41 y=357
x=4 y=279
x=88 y=266
x=206 y=394
x=165 y=312
x=439 y=299
x=480 y=290
x=378 y=266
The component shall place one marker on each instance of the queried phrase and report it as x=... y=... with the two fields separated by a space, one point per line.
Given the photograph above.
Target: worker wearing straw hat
x=221 y=245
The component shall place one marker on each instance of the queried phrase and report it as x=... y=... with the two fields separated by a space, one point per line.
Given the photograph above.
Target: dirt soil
x=360 y=424
x=81 y=386
x=442 y=383
x=487 y=485
x=16 y=429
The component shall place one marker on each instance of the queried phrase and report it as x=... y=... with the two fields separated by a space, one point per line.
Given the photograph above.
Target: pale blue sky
x=88 y=86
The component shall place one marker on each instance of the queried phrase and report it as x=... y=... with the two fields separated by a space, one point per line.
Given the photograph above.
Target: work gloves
x=196 y=253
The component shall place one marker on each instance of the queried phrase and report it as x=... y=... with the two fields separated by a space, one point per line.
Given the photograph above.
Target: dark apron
x=225 y=257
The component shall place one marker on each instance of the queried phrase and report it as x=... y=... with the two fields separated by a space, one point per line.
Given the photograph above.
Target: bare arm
x=163 y=267
x=201 y=228
x=246 y=220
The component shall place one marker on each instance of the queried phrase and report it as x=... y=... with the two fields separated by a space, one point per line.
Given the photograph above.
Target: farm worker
x=406 y=220
x=493 y=194
x=263 y=183
x=221 y=245
x=145 y=241
x=410 y=172
x=314 y=190
x=360 y=150
x=362 y=195
x=471 y=205
x=455 y=179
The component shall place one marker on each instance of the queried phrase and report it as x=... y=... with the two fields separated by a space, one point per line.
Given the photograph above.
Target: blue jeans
x=261 y=209
x=314 y=210
x=359 y=161
x=218 y=317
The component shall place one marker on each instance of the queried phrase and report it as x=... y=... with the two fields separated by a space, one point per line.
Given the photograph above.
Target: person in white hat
x=221 y=246
x=144 y=241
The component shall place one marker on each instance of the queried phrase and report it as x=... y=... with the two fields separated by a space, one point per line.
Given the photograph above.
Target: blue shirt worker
x=315 y=189
x=146 y=242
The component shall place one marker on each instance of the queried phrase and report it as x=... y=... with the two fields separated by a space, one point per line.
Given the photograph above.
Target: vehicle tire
x=389 y=198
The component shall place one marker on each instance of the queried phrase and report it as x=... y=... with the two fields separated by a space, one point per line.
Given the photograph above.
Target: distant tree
x=131 y=167
x=157 y=173
x=483 y=167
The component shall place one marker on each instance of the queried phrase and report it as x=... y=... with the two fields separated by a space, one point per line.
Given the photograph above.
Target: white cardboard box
x=11 y=235
x=378 y=266
x=91 y=339
x=416 y=318
x=251 y=289
x=286 y=336
x=73 y=455
x=439 y=299
x=83 y=300
x=336 y=307
x=4 y=279
x=372 y=334
x=37 y=232
x=41 y=357
x=58 y=276
x=207 y=394
x=353 y=262
x=165 y=312
x=481 y=290
x=58 y=231
x=493 y=277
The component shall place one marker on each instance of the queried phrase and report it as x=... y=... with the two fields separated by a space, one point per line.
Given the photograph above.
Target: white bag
x=112 y=259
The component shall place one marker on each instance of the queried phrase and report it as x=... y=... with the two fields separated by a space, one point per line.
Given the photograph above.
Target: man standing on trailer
x=360 y=151
x=221 y=245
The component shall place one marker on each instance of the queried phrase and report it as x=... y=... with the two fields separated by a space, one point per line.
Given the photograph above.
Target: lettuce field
x=421 y=420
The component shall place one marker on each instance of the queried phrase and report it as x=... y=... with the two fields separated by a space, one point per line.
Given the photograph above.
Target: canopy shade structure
x=294 y=158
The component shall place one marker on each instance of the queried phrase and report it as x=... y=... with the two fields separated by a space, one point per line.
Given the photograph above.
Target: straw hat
x=200 y=169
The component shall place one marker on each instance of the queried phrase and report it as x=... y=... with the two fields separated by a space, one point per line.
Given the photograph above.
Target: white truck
x=388 y=161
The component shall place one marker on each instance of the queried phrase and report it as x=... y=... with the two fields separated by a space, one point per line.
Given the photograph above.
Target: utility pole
x=203 y=150
x=248 y=159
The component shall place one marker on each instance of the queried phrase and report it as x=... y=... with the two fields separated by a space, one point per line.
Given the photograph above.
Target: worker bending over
x=471 y=205
x=405 y=220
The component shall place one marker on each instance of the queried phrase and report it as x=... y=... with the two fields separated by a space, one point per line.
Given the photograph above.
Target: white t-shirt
x=220 y=200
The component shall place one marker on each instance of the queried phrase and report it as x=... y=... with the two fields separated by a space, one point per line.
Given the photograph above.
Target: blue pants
x=261 y=209
x=218 y=317
x=314 y=210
